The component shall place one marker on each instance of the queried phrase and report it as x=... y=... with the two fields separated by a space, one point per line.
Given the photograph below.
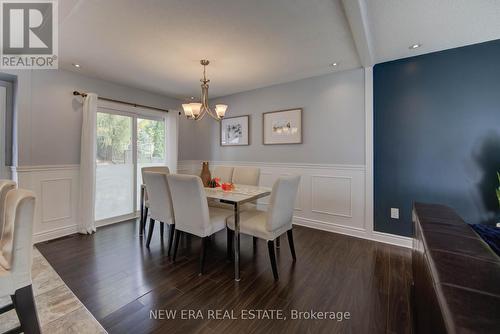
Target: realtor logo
x=29 y=38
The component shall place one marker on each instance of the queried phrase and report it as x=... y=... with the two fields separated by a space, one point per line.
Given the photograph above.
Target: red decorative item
x=227 y=186
x=214 y=183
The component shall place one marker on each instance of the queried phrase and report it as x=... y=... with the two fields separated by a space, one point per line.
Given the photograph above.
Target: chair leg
x=24 y=303
x=176 y=243
x=141 y=224
x=6 y=308
x=150 y=234
x=142 y=213
x=270 y=246
x=278 y=242
x=162 y=228
x=204 y=242
x=290 y=242
x=230 y=236
x=145 y=218
x=171 y=237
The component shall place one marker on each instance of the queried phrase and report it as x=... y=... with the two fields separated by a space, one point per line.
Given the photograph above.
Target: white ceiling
x=156 y=45
x=437 y=24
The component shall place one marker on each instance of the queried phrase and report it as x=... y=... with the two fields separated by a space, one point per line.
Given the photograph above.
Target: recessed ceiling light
x=76 y=65
x=415 y=46
x=334 y=64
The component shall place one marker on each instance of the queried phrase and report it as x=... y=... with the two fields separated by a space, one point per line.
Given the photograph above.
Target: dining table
x=236 y=197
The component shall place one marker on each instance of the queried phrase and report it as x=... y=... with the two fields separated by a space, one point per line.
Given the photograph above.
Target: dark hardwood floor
x=120 y=282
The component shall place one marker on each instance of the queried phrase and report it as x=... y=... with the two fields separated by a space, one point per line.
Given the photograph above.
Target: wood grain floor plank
x=121 y=282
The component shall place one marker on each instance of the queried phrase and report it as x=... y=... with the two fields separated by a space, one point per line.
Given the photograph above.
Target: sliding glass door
x=150 y=147
x=114 y=166
x=125 y=144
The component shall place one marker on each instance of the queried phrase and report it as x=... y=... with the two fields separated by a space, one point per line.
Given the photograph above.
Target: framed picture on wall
x=234 y=131
x=282 y=127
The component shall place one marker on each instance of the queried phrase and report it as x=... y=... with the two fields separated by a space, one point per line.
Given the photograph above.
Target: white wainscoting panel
x=56 y=188
x=330 y=197
x=56 y=200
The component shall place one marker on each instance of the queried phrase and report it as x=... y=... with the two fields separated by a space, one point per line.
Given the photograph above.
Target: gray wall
x=49 y=119
x=333 y=123
x=49 y=116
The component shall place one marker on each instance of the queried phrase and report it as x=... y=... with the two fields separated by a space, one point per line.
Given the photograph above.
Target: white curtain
x=172 y=127
x=87 y=165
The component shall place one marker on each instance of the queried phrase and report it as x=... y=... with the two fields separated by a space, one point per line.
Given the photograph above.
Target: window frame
x=4 y=142
x=115 y=108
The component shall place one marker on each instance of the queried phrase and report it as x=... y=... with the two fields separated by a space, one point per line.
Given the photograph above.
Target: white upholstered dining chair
x=144 y=200
x=5 y=187
x=191 y=212
x=16 y=247
x=243 y=175
x=277 y=220
x=246 y=175
x=224 y=173
x=160 y=205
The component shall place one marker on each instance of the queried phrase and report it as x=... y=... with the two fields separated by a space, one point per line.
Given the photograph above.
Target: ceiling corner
x=357 y=17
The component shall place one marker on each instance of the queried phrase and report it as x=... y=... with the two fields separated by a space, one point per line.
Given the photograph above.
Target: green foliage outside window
x=150 y=140
x=114 y=133
x=114 y=137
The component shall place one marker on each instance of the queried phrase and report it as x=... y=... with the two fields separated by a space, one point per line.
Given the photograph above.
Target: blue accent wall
x=437 y=134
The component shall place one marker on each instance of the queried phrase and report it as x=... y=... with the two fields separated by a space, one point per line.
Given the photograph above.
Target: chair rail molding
x=331 y=197
x=335 y=202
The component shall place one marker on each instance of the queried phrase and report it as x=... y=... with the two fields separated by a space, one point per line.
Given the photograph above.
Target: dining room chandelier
x=196 y=110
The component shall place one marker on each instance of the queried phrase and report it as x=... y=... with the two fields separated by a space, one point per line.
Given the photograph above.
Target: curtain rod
x=77 y=93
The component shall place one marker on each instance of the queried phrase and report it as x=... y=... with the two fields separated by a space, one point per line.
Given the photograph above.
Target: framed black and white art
x=234 y=131
x=282 y=127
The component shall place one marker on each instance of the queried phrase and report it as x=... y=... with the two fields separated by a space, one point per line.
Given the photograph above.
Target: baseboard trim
x=393 y=239
x=308 y=216
x=321 y=225
x=315 y=224
x=73 y=229
x=192 y=166
x=54 y=233
x=385 y=238
x=116 y=220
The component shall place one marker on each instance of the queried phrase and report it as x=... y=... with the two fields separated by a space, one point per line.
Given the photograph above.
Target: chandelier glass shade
x=198 y=110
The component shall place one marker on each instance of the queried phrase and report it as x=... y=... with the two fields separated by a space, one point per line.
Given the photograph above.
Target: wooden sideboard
x=456 y=276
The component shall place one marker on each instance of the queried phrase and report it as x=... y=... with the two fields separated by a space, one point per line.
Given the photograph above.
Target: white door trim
x=369 y=149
